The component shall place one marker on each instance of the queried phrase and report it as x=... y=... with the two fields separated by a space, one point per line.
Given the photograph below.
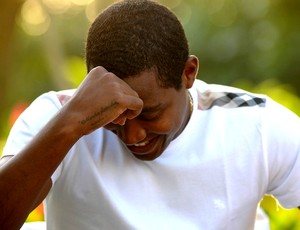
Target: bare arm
x=44 y=191
x=25 y=178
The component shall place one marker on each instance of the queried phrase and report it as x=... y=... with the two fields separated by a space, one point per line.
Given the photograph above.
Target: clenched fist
x=100 y=99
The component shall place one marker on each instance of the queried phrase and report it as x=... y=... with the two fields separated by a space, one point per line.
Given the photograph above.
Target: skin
x=165 y=113
x=133 y=110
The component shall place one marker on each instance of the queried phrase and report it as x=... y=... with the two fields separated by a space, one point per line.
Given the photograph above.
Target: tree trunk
x=8 y=12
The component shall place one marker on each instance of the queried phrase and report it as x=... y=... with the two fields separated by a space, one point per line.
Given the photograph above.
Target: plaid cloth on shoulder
x=229 y=100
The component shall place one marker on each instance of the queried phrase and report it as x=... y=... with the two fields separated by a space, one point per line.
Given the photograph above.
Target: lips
x=144 y=147
x=142 y=144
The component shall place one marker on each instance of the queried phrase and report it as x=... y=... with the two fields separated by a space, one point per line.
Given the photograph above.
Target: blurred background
x=252 y=44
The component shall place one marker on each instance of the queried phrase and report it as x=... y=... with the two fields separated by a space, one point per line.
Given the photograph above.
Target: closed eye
x=149 y=117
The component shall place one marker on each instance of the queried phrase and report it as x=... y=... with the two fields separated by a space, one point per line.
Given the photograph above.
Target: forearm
x=100 y=99
x=24 y=177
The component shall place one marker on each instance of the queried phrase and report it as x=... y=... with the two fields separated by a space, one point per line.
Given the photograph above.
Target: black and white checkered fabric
x=234 y=100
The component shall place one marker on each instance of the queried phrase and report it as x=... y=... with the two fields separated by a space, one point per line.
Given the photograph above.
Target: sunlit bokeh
x=225 y=46
x=222 y=13
x=81 y=2
x=184 y=12
x=91 y=11
x=265 y=35
x=33 y=18
x=214 y=6
x=171 y=3
x=57 y=6
x=255 y=9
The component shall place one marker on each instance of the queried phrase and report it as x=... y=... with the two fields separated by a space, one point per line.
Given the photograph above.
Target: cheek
x=167 y=125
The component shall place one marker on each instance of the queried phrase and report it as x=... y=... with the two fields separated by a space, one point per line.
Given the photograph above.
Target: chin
x=146 y=157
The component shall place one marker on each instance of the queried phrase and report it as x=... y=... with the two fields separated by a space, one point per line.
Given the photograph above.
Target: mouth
x=144 y=147
x=141 y=144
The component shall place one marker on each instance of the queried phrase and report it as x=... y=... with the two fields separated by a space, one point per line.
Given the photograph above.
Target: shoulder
x=212 y=95
x=32 y=120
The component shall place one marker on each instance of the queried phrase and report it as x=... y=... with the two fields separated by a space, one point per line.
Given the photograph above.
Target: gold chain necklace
x=191 y=103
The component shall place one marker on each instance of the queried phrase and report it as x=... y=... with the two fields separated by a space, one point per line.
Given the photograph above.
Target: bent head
x=132 y=36
x=144 y=44
x=164 y=116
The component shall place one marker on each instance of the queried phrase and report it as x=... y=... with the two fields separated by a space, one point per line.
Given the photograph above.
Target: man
x=141 y=144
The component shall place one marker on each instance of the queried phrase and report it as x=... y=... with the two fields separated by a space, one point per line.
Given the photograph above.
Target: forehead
x=147 y=86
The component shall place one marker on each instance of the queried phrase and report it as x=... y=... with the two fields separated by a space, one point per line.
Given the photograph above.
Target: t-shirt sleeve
x=30 y=122
x=281 y=133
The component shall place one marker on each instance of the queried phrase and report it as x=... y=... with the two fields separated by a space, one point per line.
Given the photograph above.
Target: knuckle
x=115 y=89
x=97 y=69
x=119 y=97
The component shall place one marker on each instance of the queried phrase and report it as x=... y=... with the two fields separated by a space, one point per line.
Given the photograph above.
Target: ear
x=190 y=71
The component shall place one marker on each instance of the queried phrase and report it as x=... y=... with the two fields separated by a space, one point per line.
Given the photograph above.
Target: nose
x=132 y=132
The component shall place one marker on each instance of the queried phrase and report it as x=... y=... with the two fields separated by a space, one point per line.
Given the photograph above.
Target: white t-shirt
x=236 y=147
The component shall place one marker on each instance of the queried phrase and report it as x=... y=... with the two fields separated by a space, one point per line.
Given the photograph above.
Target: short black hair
x=133 y=36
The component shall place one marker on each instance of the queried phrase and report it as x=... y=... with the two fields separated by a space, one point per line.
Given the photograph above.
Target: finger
x=98 y=70
x=134 y=106
x=121 y=120
x=133 y=113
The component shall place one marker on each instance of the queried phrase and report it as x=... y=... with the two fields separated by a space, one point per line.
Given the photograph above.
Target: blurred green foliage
x=252 y=44
x=280 y=218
